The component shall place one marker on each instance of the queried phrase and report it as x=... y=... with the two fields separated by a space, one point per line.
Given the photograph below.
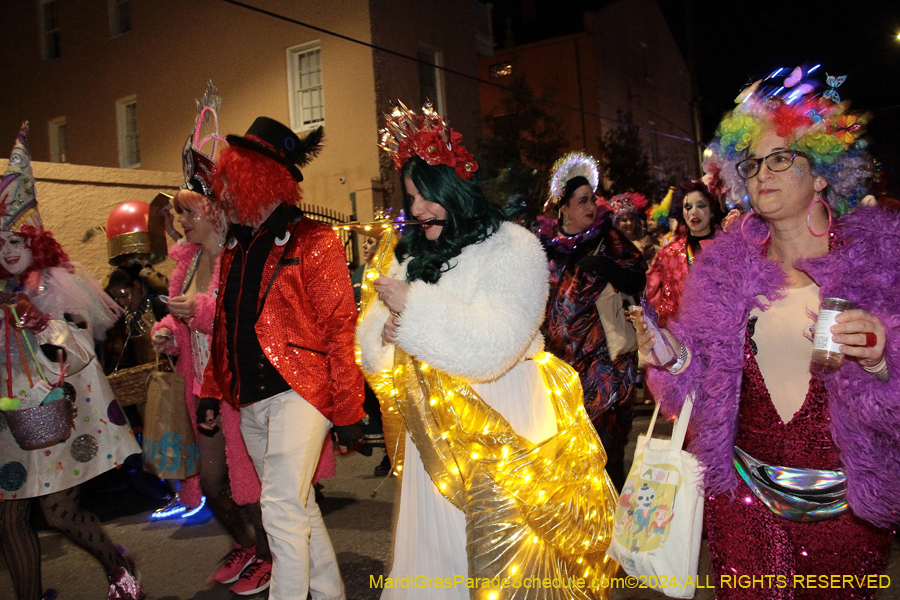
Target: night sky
x=857 y=38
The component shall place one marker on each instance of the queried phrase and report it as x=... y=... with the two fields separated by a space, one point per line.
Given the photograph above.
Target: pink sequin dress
x=746 y=538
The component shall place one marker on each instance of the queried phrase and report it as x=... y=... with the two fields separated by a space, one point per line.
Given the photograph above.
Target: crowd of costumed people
x=496 y=355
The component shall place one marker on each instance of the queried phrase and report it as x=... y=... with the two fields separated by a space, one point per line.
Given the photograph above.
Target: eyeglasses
x=776 y=162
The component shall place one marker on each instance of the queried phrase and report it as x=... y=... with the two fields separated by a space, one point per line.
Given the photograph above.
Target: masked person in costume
x=827 y=439
x=227 y=477
x=699 y=216
x=493 y=458
x=282 y=348
x=49 y=329
x=589 y=258
x=135 y=242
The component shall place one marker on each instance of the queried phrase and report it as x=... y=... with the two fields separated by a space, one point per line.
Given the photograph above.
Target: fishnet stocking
x=82 y=527
x=19 y=543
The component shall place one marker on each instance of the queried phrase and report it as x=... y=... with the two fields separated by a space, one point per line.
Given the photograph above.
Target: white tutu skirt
x=430 y=541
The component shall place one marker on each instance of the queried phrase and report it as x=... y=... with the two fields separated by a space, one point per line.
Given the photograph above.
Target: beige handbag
x=621 y=337
x=169 y=445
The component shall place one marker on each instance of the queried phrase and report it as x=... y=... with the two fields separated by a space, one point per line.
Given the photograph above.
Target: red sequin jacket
x=306 y=325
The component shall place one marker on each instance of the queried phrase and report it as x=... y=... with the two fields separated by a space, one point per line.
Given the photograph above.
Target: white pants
x=284 y=436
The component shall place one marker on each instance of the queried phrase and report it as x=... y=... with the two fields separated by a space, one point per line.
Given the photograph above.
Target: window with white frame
x=119 y=16
x=307 y=100
x=431 y=81
x=50 y=47
x=129 y=134
x=59 y=144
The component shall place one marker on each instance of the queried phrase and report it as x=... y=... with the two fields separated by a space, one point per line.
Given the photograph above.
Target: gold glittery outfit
x=532 y=510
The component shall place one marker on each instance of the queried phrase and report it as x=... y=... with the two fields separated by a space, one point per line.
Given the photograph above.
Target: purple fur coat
x=863 y=267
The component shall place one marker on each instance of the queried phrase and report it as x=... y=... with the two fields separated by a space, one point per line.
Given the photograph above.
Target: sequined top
x=804 y=441
x=666 y=278
x=305 y=325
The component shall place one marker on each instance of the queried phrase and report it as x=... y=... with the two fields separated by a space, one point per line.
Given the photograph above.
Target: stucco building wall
x=72 y=199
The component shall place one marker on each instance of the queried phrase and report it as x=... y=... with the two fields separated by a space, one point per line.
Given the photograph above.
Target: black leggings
x=19 y=541
x=216 y=487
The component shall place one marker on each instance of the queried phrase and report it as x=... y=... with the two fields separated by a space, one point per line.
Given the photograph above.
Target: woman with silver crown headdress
x=588 y=259
x=503 y=473
x=54 y=313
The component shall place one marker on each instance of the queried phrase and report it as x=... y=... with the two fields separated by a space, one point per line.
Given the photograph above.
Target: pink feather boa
x=245 y=486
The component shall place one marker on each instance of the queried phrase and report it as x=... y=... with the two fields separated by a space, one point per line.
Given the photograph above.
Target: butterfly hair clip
x=848 y=128
x=794 y=79
x=833 y=82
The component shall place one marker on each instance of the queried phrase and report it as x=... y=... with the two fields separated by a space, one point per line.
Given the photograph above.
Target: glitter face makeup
x=798 y=171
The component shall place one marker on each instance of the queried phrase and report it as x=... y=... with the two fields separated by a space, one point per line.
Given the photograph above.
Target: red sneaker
x=255 y=578
x=235 y=562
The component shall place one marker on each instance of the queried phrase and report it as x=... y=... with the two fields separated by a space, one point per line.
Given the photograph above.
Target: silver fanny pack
x=803 y=495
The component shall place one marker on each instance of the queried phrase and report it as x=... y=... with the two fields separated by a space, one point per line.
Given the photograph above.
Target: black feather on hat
x=283 y=144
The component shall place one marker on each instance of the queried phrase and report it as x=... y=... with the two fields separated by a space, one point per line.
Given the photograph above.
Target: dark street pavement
x=175 y=556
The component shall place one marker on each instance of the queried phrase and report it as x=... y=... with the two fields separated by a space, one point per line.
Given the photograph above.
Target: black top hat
x=289 y=150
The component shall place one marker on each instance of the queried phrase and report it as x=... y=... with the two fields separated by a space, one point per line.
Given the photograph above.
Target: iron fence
x=333 y=217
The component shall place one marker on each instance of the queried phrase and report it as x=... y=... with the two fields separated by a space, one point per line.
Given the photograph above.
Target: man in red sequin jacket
x=282 y=347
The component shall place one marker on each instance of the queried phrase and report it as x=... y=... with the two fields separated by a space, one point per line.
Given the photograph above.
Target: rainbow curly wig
x=816 y=123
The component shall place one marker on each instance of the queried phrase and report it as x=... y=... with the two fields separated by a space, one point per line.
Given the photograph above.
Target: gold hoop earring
x=566 y=220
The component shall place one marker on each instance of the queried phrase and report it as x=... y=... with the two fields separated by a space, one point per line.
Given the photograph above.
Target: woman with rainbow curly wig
x=799 y=463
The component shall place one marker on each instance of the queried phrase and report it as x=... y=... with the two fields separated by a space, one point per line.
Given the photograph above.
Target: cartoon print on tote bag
x=643 y=515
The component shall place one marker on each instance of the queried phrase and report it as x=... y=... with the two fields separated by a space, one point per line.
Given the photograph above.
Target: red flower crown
x=426 y=136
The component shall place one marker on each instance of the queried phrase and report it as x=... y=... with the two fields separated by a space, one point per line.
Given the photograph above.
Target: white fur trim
x=483 y=316
x=375 y=357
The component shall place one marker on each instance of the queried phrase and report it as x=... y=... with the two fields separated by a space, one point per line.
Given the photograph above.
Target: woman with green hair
x=499 y=454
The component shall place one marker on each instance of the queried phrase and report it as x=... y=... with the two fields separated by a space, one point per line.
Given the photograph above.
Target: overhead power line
x=415 y=59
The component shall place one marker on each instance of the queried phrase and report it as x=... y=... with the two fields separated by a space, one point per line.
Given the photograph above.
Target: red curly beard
x=256 y=184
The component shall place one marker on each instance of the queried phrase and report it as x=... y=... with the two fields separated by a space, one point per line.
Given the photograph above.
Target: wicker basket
x=45 y=425
x=130 y=385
